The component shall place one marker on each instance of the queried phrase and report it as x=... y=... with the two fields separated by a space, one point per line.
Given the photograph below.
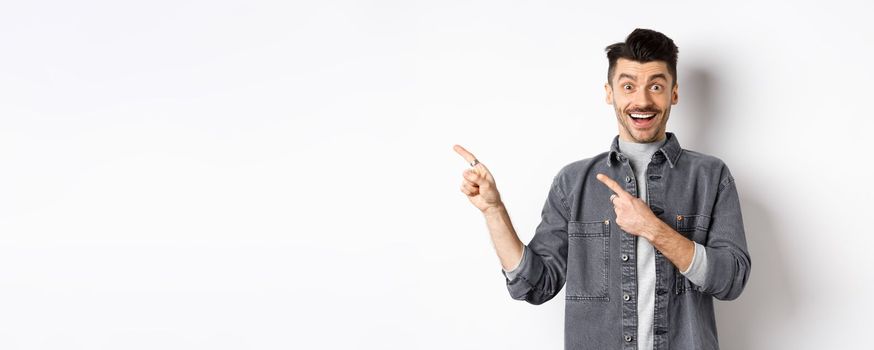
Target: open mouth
x=642 y=119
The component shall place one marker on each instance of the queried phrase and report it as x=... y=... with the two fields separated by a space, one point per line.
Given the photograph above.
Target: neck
x=639 y=152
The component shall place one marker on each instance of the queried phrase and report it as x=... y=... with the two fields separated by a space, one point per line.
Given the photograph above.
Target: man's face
x=642 y=96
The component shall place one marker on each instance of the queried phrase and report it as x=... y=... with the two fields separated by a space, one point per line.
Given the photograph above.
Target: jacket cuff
x=525 y=276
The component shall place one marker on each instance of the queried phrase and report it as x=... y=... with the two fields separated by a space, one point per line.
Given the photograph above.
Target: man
x=644 y=235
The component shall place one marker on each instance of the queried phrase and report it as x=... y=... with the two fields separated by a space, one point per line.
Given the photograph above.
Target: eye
x=627 y=86
x=656 y=87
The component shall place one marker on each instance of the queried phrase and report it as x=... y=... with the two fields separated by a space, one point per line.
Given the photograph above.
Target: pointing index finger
x=464 y=153
x=612 y=185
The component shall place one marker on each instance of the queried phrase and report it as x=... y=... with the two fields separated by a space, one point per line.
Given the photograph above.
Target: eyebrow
x=634 y=77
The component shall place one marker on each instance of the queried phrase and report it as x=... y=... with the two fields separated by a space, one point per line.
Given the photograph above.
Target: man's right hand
x=478 y=184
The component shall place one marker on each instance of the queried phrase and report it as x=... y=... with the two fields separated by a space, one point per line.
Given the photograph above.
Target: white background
x=280 y=175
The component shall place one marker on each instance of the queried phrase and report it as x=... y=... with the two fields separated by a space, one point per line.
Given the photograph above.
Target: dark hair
x=644 y=45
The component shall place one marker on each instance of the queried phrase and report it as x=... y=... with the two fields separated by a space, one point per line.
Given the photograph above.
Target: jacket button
x=624 y=257
x=628 y=338
x=627 y=178
x=626 y=297
x=606 y=222
x=679 y=218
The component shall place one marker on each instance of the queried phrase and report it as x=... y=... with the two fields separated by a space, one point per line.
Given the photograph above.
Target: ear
x=674 y=96
x=609 y=92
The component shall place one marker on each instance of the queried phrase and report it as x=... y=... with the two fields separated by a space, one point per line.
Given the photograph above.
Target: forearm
x=678 y=249
x=504 y=239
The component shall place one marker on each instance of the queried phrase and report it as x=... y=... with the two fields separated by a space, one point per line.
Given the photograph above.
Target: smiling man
x=644 y=236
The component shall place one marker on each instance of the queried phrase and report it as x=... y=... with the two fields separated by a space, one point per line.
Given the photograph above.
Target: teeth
x=642 y=116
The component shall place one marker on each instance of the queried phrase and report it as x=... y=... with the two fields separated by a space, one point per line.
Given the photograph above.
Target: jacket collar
x=671 y=150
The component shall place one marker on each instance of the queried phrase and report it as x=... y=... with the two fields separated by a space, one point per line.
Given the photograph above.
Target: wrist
x=657 y=232
x=494 y=210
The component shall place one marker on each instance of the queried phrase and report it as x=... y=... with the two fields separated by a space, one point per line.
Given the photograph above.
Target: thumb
x=484 y=172
x=474 y=176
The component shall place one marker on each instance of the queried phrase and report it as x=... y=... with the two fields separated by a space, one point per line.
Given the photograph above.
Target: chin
x=646 y=138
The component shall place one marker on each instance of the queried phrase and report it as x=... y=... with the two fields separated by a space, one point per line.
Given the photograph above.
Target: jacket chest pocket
x=694 y=227
x=587 y=260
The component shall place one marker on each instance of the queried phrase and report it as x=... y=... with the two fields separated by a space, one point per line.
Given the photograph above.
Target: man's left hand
x=633 y=215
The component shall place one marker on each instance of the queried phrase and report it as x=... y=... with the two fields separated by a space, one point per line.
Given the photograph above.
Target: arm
x=697 y=271
x=634 y=216
x=504 y=239
x=541 y=272
x=688 y=256
x=729 y=261
x=674 y=246
x=540 y=275
x=727 y=258
x=512 y=273
x=482 y=191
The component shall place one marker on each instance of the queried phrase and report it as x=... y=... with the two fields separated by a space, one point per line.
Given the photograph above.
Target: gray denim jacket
x=578 y=244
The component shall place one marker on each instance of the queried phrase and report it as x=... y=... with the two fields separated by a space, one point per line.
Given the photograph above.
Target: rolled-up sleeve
x=728 y=260
x=697 y=270
x=540 y=274
x=510 y=275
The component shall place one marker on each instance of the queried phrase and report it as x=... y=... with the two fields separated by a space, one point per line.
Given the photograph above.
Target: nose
x=642 y=98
